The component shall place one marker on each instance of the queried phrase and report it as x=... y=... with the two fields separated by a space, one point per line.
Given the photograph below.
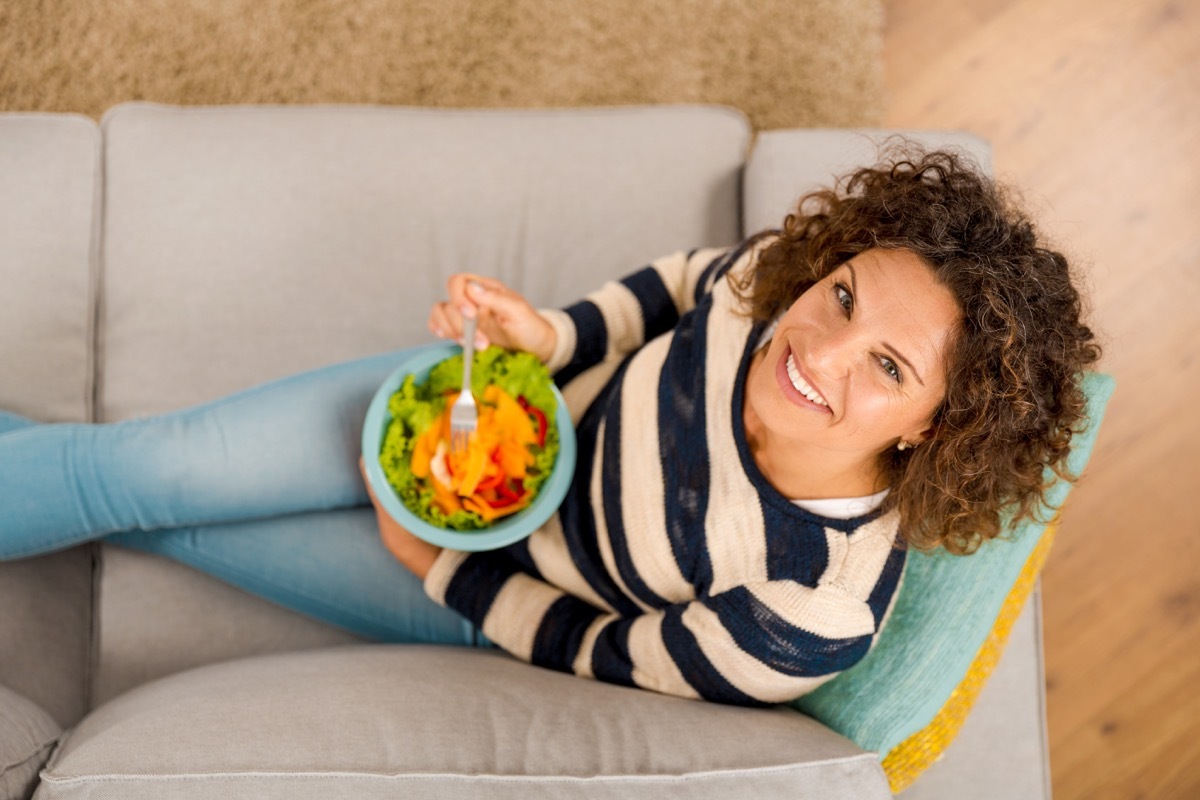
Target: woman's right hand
x=505 y=317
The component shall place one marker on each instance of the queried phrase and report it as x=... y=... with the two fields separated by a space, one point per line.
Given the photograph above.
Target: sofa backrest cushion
x=49 y=178
x=243 y=244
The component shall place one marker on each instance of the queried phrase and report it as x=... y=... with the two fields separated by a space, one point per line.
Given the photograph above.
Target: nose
x=834 y=353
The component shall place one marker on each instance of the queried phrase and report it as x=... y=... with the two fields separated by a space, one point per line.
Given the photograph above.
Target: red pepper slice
x=504 y=502
x=490 y=483
x=539 y=415
x=507 y=496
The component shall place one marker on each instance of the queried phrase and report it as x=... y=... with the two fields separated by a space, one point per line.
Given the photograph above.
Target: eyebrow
x=899 y=356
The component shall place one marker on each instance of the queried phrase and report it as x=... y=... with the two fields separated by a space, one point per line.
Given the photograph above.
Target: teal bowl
x=505 y=531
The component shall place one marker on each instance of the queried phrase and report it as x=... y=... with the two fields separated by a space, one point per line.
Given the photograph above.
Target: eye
x=843 y=297
x=891 y=369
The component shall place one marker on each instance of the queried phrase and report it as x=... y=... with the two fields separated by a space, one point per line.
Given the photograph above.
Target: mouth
x=795 y=387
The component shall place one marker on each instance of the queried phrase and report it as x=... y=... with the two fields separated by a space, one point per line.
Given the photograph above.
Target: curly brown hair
x=1013 y=398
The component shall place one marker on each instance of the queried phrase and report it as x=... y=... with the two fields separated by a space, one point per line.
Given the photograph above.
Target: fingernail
x=467 y=311
x=438 y=332
x=480 y=342
x=477 y=287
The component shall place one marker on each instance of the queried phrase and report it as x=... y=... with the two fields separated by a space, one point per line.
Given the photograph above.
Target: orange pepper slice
x=498 y=451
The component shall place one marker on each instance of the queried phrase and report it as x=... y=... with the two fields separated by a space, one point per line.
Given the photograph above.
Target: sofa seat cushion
x=371 y=721
x=27 y=734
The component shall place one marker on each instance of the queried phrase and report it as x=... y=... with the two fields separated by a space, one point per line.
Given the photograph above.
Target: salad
x=511 y=453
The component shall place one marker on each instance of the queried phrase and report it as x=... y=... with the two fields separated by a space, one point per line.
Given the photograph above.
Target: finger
x=437 y=323
x=456 y=290
x=462 y=287
x=445 y=321
x=504 y=303
x=450 y=324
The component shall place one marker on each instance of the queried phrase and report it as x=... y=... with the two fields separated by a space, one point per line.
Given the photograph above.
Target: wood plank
x=1093 y=109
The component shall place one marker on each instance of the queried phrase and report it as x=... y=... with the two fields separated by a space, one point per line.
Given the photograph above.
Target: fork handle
x=468 y=352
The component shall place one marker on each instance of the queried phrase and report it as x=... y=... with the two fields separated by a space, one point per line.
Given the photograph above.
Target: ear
x=919 y=436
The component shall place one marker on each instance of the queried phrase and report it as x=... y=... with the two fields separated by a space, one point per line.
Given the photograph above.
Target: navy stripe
x=694 y=665
x=519 y=553
x=779 y=644
x=591 y=341
x=797 y=549
x=683 y=446
x=885 y=587
x=659 y=313
x=576 y=512
x=560 y=633
x=476 y=582
x=702 y=285
x=611 y=661
x=612 y=492
x=718 y=267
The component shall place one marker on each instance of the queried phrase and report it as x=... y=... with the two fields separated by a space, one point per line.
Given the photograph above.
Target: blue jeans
x=260 y=489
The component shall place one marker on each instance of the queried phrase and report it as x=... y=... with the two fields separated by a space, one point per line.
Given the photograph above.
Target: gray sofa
x=170 y=255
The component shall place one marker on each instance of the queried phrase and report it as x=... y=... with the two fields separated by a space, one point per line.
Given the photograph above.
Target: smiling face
x=857 y=363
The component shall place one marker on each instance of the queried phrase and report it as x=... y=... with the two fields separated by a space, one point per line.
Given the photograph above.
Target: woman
x=763 y=431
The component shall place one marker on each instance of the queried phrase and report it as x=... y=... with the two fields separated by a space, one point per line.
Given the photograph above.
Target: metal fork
x=463 y=416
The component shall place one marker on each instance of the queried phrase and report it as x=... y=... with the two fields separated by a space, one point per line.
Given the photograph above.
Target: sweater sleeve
x=754 y=644
x=624 y=314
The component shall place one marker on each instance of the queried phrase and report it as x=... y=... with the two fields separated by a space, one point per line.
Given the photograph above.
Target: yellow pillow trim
x=919 y=751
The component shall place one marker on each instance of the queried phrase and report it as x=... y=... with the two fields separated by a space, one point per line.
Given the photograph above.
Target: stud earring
x=902 y=445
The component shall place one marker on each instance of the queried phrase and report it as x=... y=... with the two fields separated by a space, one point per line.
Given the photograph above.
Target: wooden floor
x=1093 y=109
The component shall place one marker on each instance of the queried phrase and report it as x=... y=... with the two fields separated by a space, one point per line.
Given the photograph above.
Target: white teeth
x=802 y=387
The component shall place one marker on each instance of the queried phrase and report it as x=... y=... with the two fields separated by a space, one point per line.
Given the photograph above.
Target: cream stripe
x=676 y=277
x=866 y=555
x=513 y=620
x=746 y=673
x=736 y=532
x=564 y=337
x=886 y=527
x=437 y=580
x=583 y=388
x=653 y=667
x=827 y=612
x=642 y=501
x=582 y=666
x=622 y=315
x=837 y=547
x=550 y=554
x=681 y=274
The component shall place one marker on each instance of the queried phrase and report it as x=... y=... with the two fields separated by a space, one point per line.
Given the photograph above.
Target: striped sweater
x=673 y=565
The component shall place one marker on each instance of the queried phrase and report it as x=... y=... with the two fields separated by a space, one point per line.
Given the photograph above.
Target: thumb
x=503 y=304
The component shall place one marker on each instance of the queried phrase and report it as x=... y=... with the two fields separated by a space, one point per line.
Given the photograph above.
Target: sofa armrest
x=27 y=735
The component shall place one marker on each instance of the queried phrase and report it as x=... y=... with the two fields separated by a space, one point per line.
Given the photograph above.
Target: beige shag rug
x=785 y=63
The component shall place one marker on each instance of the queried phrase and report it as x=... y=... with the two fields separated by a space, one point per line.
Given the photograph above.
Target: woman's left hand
x=416 y=554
